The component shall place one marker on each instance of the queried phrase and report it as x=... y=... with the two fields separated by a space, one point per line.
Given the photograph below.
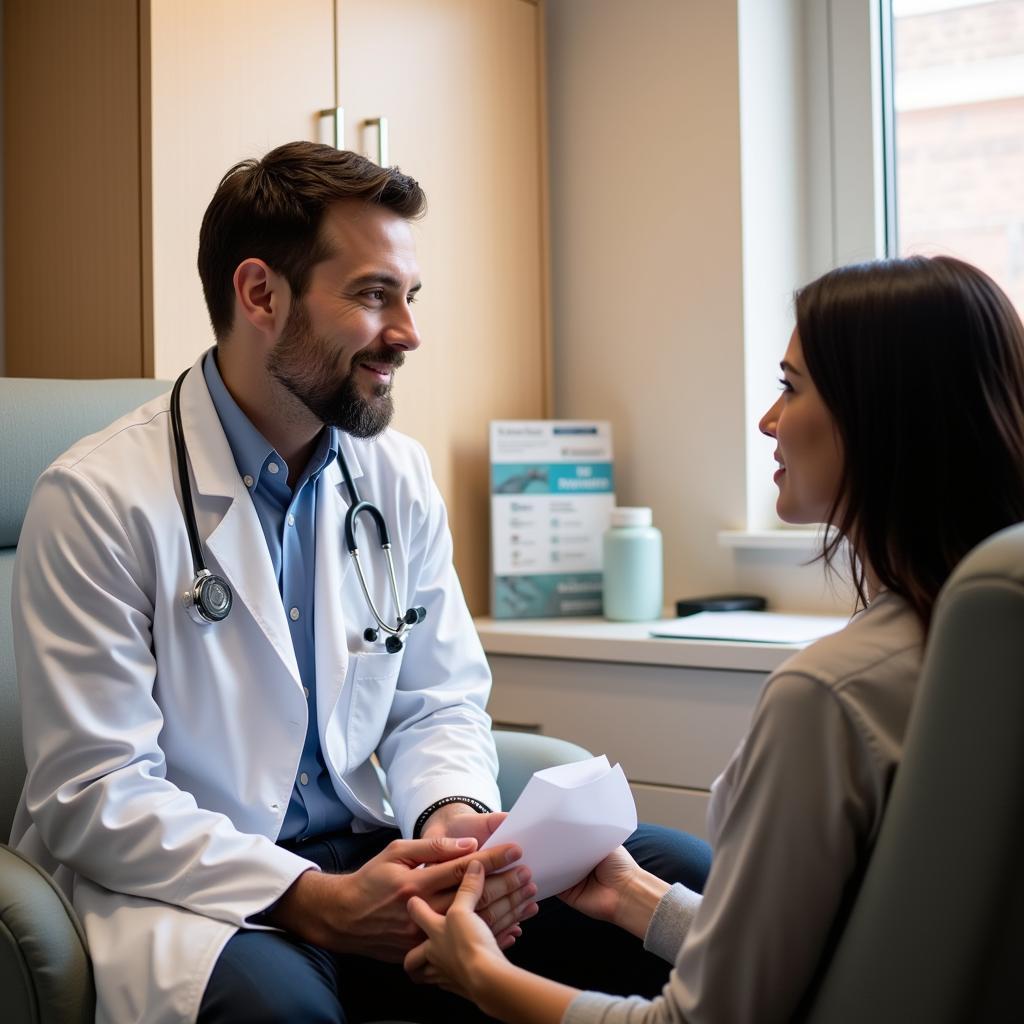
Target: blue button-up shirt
x=288 y=518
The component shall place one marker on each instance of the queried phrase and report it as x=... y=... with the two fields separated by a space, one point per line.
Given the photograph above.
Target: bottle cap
x=631 y=517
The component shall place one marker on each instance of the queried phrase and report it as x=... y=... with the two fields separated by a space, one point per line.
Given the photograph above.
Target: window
x=957 y=161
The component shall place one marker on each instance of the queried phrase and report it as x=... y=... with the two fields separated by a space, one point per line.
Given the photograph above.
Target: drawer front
x=684 y=809
x=667 y=726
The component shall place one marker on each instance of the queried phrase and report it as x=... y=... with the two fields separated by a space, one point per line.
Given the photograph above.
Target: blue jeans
x=272 y=978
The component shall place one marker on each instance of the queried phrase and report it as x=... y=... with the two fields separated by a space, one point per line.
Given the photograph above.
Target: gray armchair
x=937 y=929
x=45 y=975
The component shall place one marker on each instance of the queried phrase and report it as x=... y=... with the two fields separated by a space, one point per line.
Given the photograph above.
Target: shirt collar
x=248 y=446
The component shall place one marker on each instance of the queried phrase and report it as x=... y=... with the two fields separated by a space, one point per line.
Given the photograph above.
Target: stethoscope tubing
x=403 y=623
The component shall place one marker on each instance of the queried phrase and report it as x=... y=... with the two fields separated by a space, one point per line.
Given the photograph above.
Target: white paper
x=752 y=627
x=567 y=820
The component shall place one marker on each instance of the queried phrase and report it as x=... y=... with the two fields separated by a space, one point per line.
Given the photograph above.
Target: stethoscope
x=208 y=599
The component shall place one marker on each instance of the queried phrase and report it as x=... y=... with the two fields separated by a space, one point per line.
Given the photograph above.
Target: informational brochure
x=552 y=493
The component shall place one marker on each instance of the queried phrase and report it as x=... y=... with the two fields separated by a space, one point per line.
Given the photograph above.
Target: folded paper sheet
x=568 y=819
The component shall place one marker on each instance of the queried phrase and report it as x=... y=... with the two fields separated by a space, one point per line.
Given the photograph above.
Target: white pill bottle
x=633 y=587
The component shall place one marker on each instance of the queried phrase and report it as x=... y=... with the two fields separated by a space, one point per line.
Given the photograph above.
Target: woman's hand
x=600 y=894
x=462 y=956
x=459 y=945
x=620 y=891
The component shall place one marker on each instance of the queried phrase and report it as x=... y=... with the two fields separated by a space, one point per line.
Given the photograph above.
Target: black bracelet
x=480 y=808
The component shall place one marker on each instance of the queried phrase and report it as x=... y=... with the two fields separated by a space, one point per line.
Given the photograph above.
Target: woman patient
x=901 y=424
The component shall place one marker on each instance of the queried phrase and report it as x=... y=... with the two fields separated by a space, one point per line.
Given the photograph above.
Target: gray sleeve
x=670 y=922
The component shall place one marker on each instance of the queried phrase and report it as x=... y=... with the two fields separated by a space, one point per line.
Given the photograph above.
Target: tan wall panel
x=71 y=189
x=460 y=85
x=229 y=80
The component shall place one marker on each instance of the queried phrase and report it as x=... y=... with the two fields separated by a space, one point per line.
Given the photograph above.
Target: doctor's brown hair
x=272 y=209
x=921 y=363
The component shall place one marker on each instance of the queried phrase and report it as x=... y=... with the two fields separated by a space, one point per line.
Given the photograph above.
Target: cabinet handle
x=336 y=137
x=517 y=726
x=383 y=142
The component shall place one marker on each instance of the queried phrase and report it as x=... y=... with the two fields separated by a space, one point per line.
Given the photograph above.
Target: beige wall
x=647 y=259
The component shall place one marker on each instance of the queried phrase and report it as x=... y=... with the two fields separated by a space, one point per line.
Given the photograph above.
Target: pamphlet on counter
x=552 y=494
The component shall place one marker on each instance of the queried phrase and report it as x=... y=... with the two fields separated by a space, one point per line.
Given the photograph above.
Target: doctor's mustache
x=389 y=357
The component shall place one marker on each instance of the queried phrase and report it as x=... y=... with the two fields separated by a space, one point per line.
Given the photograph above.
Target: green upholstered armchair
x=45 y=975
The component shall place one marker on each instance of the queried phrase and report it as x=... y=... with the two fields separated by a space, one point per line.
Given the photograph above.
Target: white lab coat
x=161 y=754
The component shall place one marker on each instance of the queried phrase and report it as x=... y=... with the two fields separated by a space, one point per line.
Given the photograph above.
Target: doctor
x=204 y=790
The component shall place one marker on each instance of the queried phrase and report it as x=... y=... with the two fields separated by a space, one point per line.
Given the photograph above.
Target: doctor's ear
x=261 y=296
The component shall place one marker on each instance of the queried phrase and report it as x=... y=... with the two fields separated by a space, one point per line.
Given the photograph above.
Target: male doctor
x=205 y=792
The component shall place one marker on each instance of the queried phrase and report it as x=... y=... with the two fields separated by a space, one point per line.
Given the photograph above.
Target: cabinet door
x=228 y=80
x=72 y=230
x=459 y=82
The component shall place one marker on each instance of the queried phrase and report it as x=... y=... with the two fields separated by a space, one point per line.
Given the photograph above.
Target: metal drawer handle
x=383 y=140
x=337 y=114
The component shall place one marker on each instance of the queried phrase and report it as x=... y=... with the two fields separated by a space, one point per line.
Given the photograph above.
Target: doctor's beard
x=301 y=362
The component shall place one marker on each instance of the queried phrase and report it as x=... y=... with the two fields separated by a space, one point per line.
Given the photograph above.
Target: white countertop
x=596 y=639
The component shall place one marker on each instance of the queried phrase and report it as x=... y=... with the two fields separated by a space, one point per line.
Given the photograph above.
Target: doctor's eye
x=377 y=294
x=411 y=298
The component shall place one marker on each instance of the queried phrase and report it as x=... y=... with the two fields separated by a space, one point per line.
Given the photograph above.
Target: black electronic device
x=720 y=603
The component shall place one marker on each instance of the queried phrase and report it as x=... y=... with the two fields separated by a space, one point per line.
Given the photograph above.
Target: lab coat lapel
x=333 y=563
x=234 y=540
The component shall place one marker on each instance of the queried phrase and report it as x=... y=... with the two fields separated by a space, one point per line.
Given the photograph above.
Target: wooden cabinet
x=671 y=712
x=122 y=115
x=673 y=730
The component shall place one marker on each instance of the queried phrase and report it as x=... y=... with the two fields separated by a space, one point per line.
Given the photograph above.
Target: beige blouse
x=791 y=820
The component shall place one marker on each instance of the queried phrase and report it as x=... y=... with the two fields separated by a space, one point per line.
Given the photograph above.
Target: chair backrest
x=936 y=932
x=39 y=419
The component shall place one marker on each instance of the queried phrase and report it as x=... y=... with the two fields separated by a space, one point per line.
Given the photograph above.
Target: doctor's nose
x=401 y=332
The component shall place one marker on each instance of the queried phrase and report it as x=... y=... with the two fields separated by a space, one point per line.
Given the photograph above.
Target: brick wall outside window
x=959 y=92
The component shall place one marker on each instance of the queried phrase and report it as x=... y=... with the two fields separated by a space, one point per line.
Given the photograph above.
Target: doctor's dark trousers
x=265 y=977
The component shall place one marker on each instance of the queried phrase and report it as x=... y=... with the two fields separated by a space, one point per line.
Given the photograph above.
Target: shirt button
x=304 y=778
x=294 y=613
x=247 y=480
x=272 y=467
x=305 y=691
x=291 y=519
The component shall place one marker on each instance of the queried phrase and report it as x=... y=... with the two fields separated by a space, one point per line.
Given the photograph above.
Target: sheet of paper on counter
x=751 y=627
x=567 y=820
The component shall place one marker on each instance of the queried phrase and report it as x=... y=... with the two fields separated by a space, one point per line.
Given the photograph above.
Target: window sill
x=805 y=541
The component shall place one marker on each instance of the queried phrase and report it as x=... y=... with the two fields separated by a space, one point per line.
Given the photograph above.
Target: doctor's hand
x=497 y=900
x=365 y=912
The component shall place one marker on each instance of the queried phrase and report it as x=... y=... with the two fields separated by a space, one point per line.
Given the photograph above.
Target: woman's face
x=807 y=446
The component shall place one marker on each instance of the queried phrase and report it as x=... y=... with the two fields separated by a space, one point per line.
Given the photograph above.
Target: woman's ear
x=261 y=297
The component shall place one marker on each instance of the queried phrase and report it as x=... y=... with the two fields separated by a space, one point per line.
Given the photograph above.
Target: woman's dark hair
x=271 y=209
x=921 y=363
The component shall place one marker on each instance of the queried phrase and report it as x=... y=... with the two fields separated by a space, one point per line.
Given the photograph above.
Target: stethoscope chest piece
x=208 y=599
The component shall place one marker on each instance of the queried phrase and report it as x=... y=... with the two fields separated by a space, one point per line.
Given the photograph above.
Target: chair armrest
x=45 y=974
x=520 y=754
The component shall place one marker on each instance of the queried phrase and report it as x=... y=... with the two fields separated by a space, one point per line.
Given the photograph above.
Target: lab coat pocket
x=371 y=691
